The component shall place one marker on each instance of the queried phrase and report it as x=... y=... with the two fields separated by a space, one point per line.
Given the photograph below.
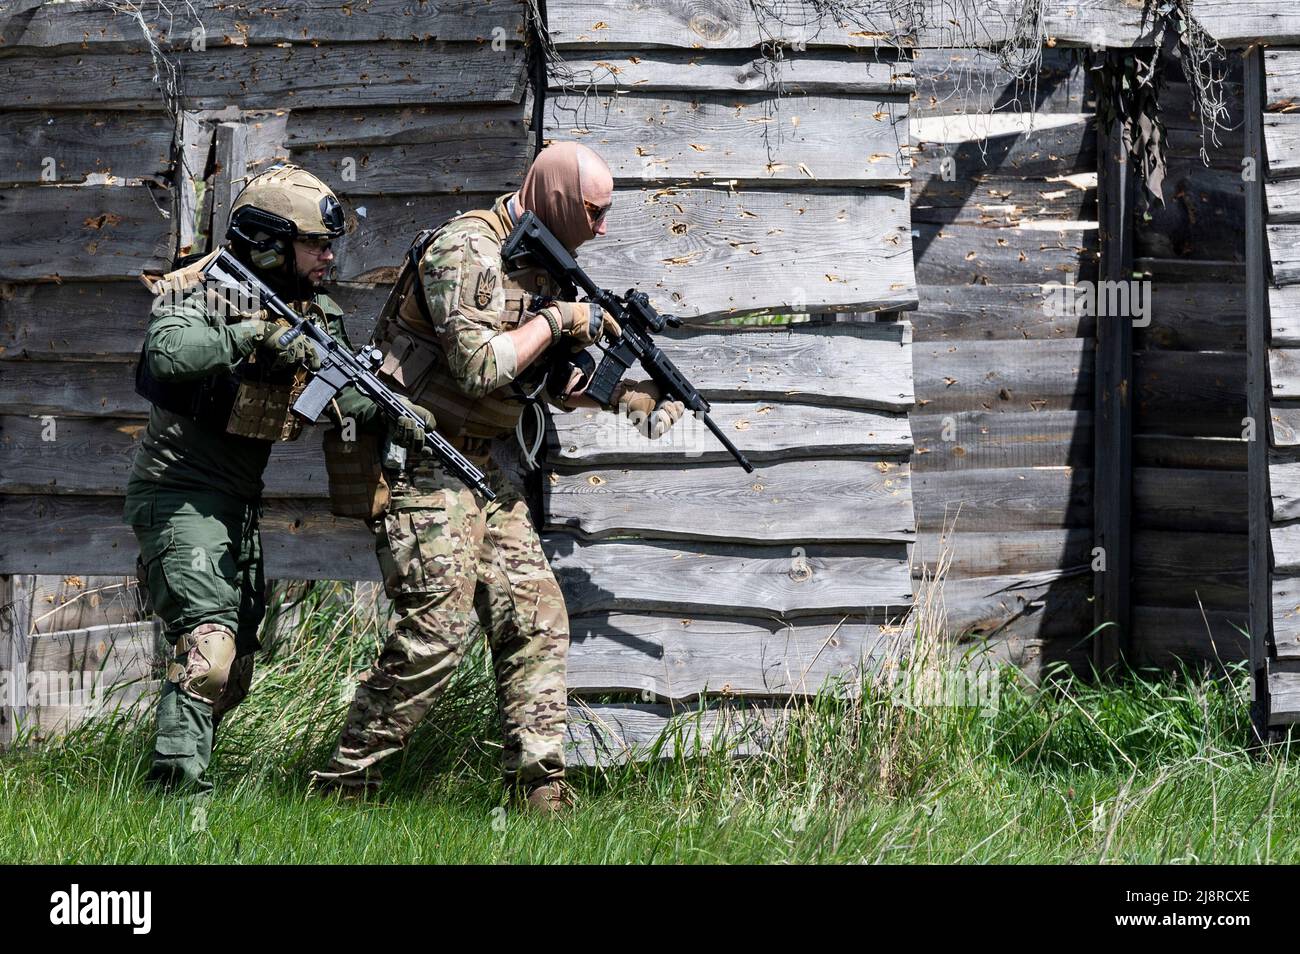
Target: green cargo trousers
x=201 y=562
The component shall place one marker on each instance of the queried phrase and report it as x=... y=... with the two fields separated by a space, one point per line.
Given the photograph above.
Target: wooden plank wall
x=1189 y=383
x=1278 y=311
x=685 y=577
x=399 y=167
x=1003 y=417
x=402 y=110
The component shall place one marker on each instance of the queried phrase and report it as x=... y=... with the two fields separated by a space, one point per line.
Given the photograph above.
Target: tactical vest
x=416 y=364
x=251 y=399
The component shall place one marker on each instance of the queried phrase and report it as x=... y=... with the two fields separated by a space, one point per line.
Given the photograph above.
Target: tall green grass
x=1145 y=767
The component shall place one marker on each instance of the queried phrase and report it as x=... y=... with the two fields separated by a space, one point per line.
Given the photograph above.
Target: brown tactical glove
x=582 y=322
x=409 y=433
x=299 y=351
x=648 y=412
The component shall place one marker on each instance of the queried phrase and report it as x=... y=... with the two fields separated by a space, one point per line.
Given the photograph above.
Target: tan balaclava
x=552 y=190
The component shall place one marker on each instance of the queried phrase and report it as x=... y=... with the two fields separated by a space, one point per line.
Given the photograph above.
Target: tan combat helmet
x=281 y=204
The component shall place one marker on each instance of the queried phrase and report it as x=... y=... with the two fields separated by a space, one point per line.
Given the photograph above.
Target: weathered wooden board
x=380 y=230
x=805 y=362
x=95 y=319
x=1285 y=539
x=724 y=24
x=763 y=431
x=731 y=23
x=133 y=700
x=1203 y=453
x=1281 y=80
x=1190 y=317
x=1200 y=393
x=1286 y=616
x=1164 y=636
x=1043 y=605
x=672 y=136
x=67 y=534
x=110 y=651
x=1282 y=144
x=863 y=365
x=794 y=502
x=480 y=164
x=954 y=149
x=671 y=658
x=1204 y=224
x=796 y=75
x=352 y=74
x=700 y=252
x=992 y=312
x=1001 y=553
x=1283 y=697
x=1236 y=24
x=716 y=579
x=1284 y=316
x=1284 y=486
x=1282 y=201
x=66 y=147
x=86 y=389
x=1284 y=373
x=88 y=231
x=612 y=733
x=1015 y=376
x=1284 y=252
x=977 y=440
x=396 y=125
x=55 y=604
x=999 y=200
x=963 y=254
x=1005 y=498
x=1176 y=499
x=106 y=320
x=1185 y=270
x=1284 y=425
x=1173 y=568
x=950 y=82
x=89 y=456
x=239 y=23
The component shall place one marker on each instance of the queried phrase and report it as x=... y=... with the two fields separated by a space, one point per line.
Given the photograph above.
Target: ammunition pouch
x=357 y=486
x=251 y=400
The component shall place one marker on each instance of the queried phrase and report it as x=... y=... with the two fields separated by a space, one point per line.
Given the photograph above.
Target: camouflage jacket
x=453 y=356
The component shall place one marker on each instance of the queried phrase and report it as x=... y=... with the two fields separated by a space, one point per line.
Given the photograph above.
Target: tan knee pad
x=201 y=667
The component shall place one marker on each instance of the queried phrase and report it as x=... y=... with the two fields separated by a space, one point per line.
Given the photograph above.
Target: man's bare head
x=563 y=180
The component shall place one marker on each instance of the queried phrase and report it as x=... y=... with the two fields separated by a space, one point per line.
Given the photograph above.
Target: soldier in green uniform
x=465 y=344
x=221 y=385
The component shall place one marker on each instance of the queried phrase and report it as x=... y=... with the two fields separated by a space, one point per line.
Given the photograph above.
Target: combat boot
x=347 y=789
x=548 y=798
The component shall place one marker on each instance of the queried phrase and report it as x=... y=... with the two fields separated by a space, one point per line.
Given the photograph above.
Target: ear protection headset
x=266 y=235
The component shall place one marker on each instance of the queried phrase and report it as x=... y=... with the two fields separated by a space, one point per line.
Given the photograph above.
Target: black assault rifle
x=531 y=239
x=339 y=367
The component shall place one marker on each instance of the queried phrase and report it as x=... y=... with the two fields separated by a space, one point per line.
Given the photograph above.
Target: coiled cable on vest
x=527 y=448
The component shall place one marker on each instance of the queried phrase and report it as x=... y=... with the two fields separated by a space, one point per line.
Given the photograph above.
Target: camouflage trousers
x=451 y=562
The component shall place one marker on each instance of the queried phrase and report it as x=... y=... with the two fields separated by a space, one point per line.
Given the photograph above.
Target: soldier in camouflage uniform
x=466 y=344
x=221 y=384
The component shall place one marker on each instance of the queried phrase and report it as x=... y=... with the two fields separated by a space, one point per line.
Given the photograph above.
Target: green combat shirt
x=185 y=341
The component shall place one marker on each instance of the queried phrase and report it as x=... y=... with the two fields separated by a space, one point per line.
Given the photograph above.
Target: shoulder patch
x=487 y=285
